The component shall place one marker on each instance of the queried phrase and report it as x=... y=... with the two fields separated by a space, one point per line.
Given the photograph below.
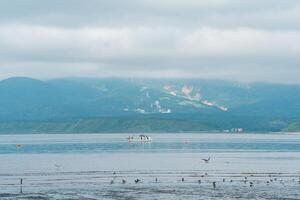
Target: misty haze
x=148 y=99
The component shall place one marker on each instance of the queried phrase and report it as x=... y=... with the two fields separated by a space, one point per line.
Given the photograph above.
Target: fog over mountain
x=149 y=65
x=141 y=105
x=149 y=99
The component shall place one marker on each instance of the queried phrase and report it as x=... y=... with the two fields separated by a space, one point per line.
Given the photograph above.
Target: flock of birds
x=214 y=183
x=206 y=160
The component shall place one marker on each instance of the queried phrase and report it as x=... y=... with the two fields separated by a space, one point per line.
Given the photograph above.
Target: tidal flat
x=171 y=166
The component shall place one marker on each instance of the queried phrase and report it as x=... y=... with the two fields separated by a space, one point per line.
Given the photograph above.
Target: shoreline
x=157 y=133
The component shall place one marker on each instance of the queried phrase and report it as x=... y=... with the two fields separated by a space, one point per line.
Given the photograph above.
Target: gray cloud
x=220 y=39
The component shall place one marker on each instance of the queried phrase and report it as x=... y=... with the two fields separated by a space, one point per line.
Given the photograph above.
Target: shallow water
x=92 y=166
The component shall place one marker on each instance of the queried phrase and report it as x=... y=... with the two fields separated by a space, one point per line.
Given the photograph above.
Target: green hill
x=293 y=127
x=142 y=105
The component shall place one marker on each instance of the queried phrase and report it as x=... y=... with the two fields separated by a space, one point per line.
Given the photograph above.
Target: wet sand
x=107 y=167
x=153 y=185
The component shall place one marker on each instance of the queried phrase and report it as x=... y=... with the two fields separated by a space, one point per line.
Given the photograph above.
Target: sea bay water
x=93 y=164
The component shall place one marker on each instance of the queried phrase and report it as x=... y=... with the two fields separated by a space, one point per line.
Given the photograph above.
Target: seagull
x=206 y=160
x=18 y=146
x=137 y=180
x=57 y=167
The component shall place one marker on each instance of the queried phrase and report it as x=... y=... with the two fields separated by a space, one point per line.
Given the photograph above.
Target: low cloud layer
x=218 y=39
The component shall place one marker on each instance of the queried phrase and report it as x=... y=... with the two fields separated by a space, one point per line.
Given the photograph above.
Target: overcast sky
x=245 y=40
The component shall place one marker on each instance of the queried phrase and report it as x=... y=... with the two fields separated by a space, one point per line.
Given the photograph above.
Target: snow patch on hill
x=189 y=93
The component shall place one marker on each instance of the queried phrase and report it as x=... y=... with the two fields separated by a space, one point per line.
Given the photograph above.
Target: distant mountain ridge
x=136 y=105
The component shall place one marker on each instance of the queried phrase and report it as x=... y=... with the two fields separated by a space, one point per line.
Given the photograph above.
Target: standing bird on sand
x=206 y=160
x=57 y=167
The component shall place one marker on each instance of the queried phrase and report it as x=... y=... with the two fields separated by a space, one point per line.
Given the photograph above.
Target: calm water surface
x=162 y=143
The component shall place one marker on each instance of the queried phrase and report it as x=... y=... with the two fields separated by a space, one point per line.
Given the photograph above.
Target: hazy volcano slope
x=133 y=105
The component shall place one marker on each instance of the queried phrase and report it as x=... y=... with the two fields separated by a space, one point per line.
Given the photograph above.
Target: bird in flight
x=206 y=160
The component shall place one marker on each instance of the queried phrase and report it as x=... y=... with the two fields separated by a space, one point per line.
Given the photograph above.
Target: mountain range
x=70 y=105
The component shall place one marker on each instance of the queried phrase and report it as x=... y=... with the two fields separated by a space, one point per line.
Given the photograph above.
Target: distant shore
x=155 y=133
